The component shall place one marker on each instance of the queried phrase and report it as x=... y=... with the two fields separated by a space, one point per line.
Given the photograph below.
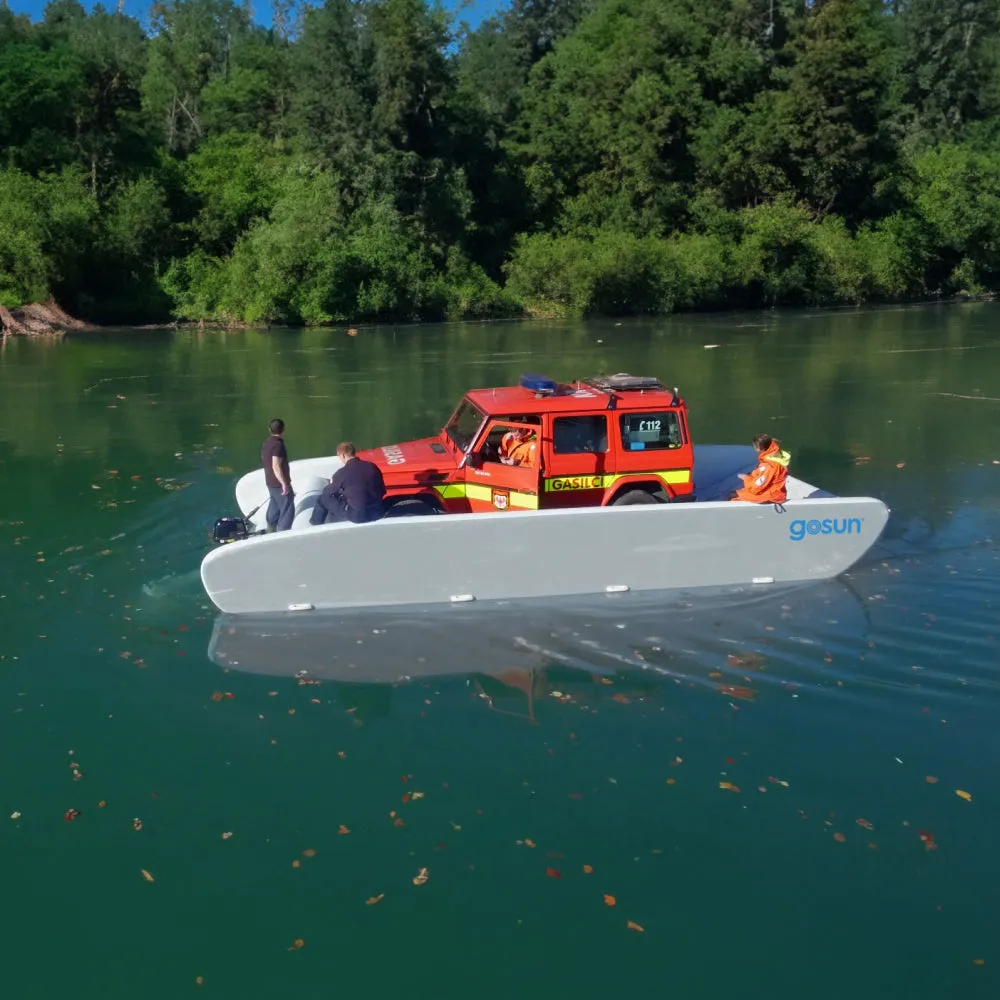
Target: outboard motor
x=230 y=529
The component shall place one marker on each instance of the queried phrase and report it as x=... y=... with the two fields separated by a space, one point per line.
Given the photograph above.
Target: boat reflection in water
x=516 y=652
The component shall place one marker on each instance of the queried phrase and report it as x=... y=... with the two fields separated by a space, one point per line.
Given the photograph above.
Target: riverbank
x=39 y=319
x=50 y=320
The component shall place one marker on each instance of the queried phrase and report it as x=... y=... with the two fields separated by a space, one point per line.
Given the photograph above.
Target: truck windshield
x=462 y=427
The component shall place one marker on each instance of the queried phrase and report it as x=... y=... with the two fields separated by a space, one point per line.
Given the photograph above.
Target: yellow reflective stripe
x=475 y=491
x=559 y=484
x=674 y=476
x=451 y=491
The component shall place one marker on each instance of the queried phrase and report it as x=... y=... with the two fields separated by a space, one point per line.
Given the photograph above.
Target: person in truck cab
x=517 y=447
x=766 y=484
x=355 y=492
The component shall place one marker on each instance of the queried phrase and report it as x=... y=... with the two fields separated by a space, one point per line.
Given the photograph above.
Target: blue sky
x=472 y=11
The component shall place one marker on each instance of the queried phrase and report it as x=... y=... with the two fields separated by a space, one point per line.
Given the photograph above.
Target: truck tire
x=412 y=507
x=630 y=497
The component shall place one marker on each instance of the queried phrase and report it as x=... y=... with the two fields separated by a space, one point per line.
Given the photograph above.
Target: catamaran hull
x=539 y=554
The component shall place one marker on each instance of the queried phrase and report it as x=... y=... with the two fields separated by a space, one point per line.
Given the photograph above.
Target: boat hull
x=547 y=553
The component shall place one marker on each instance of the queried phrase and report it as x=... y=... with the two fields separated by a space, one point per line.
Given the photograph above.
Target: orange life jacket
x=766 y=484
x=519 y=452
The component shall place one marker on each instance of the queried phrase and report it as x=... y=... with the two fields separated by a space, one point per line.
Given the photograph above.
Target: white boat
x=533 y=554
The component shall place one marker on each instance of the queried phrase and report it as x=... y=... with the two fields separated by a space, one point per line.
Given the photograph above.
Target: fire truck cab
x=618 y=439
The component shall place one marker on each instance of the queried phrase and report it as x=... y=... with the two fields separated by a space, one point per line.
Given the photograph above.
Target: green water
x=118 y=451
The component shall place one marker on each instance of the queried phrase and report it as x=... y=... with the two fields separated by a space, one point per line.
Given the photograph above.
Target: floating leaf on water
x=309 y=852
x=421 y=877
x=296 y=944
x=610 y=900
x=931 y=780
x=398 y=822
x=728 y=786
x=341 y=754
x=15 y=815
x=296 y=863
x=226 y=836
x=137 y=824
x=342 y=830
x=928 y=840
x=839 y=837
x=620 y=698
x=633 y=926
x=963 y=795
x=671 y=781
x=865 y=824
x=217 y=696
x=417 y=795
x=372 y=900
x=553 y=873
x=146 y=875
x=737 y=691
x=979 y=961
x=199 y=980
x=71 y=814
x=588 y=870
x=529 y=843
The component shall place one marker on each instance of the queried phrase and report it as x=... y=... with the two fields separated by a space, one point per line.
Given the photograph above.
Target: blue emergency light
x=537 y=383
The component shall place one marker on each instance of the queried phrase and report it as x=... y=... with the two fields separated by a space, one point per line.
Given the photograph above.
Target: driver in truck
x=517 y=447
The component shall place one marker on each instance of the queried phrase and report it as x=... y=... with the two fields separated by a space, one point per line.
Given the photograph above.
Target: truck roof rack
x=623 y=382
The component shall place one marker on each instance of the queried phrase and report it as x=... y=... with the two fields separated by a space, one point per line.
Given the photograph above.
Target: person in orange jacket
x=766 y=484
x=517 y=447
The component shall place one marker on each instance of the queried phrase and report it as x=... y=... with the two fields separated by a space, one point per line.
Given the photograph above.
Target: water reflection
x=514 y=653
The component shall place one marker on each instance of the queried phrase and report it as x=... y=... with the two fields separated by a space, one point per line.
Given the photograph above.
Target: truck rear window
x=650 y=431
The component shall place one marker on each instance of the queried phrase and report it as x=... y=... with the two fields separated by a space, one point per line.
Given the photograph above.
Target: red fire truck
x=618 y=439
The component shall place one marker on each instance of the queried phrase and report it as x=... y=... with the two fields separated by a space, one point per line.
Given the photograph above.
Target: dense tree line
x=376 y=159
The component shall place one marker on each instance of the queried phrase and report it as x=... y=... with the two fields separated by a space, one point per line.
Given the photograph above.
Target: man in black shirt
x=274 y=458
x=355 y=492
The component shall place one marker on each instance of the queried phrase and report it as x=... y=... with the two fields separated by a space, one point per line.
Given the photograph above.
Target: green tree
x=190 y=48
x=949 y=64
x=834 y=114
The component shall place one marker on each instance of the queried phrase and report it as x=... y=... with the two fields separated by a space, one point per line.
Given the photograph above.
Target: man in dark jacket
x=355 y=492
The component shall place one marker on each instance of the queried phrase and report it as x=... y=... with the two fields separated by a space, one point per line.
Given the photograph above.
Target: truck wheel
x=633 y=497
x=412 y=507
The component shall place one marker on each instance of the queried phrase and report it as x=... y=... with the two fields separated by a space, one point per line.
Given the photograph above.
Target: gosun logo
x=798 y=530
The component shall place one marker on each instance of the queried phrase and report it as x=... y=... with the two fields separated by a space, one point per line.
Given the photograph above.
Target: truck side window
x=573 y=435
x=650 y=431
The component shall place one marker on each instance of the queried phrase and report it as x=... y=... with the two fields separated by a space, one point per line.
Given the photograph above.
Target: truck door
x=490 y=484
x=576 y=460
